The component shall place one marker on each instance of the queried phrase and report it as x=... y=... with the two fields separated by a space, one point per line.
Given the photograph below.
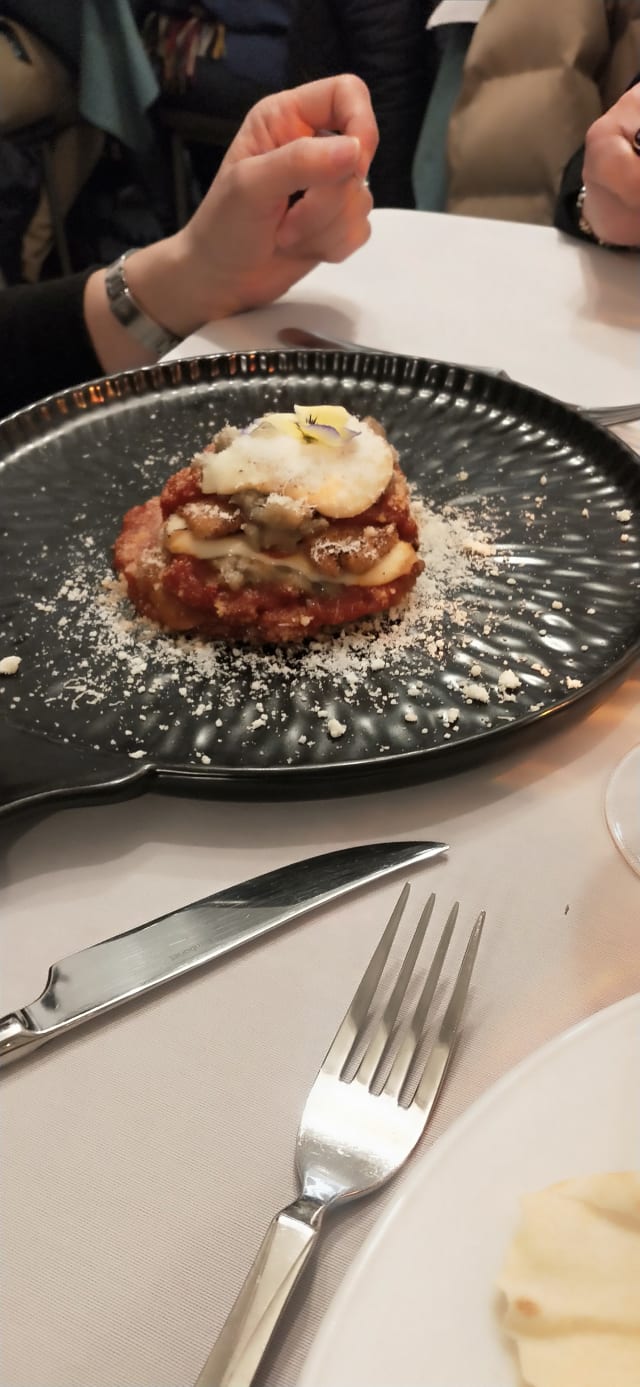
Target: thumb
x=307 y=162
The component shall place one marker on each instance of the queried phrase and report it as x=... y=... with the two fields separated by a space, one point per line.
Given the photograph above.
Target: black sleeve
x=385 y=43
x=44 y=342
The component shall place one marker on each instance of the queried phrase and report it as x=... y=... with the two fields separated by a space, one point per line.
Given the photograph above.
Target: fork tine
x=438 y=1060
x=376 y=1047
x=408 y=1049
x=350 y=1028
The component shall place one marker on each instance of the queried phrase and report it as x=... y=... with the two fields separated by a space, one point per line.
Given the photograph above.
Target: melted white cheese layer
x=398 y=562
x=338 y=482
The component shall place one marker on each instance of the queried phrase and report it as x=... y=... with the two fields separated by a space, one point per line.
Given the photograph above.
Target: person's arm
x=608 y=170
x=46 y=345
x=245 y=245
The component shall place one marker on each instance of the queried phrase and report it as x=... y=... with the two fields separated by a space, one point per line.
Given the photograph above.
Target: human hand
x=245 y=244
x=611 y=173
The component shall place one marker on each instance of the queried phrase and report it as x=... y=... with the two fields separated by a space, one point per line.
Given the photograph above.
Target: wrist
x=210 y=285
x=604 y=220
x=160 y=280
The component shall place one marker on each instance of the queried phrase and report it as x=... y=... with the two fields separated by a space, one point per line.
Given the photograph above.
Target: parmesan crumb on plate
x=476 y=693
x=508 y=681
x=10 y=664
x=335 y=728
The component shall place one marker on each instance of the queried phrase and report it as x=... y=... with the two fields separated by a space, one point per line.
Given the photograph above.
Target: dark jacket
x=385 y=43
x=535 y=77
x=45 y=340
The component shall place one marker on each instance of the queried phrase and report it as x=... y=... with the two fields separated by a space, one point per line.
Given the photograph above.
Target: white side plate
x=418 y=1308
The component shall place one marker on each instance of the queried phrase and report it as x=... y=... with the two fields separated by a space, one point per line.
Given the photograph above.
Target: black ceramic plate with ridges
x=93 y=712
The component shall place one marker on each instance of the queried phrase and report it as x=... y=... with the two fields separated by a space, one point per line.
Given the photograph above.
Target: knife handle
x=16 y=1037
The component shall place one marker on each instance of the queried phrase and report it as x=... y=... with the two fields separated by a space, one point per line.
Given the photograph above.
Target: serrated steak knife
x=94 y=980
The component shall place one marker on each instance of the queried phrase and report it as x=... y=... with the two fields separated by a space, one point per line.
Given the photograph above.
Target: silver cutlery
x=364 y=1115
x=607 y=415
x=118 y=970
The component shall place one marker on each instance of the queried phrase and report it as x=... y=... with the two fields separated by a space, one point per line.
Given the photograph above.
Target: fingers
x=340 y=103
x=610 y=159
x=611 y=163
x=308 y=220
x=335 y=103
x=331 y=226
x=266 y=179
x=345 y=242
x=625 y=114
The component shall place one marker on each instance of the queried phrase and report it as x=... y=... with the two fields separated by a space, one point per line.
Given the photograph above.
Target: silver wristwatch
x=153 y=336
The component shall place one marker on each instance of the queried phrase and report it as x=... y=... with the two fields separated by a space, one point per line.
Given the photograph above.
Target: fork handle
x=246 y=1334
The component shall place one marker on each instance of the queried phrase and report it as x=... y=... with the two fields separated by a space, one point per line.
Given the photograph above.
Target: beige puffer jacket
x=536 y=75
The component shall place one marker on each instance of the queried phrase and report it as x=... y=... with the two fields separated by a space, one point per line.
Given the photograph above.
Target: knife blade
x=120 y=969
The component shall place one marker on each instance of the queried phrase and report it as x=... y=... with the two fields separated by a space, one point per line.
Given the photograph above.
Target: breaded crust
x=181 y=593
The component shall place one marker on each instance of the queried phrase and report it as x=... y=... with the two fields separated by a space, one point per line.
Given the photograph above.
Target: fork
x=356 y=1131
x=607 y=415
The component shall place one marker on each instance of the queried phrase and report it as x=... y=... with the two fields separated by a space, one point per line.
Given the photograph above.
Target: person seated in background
x=217 y=57
x=600 y=194
x=214 y=59
x=250 y=239
x=386 y=44
x=515 y=93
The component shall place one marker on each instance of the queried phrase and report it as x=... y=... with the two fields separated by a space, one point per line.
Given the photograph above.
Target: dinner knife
x=119 y=969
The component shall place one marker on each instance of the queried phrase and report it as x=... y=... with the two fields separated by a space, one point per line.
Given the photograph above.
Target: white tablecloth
x=142 y=1159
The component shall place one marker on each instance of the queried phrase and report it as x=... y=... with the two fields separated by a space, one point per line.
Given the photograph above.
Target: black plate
x=93 y=711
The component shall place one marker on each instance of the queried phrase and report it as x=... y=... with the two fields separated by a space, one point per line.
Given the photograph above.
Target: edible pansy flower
x=328 y=424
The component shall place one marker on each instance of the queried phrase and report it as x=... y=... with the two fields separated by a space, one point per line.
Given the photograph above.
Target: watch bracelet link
x=156 y=338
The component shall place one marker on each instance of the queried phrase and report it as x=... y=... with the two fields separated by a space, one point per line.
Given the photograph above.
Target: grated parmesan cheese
x=10 y=664
x=335 y=728
x=476 y=693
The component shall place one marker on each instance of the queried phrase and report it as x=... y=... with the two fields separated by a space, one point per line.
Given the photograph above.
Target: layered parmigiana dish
x=571 y=1283
x=299 y=522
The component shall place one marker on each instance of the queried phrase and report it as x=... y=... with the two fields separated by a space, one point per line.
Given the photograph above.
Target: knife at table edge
x=117 y=970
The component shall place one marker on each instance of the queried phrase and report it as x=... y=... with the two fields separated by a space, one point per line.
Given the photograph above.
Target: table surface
x=143 y=1158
